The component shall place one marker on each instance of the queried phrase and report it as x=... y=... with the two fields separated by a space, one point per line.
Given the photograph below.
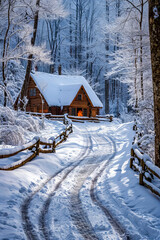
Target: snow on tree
x=14 y=73
x=77 y=42
x=19 y=32
x=154 y=26
x=130 y=61
x=14 y=125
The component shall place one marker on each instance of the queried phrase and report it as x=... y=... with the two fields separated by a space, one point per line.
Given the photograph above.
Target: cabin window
x=80 y=97
x=85 y=112
x=73 y=112
x=32 y=92
x=79 y=112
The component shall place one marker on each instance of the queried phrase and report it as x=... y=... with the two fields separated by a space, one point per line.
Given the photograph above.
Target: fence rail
x=142 y=163
x=98 y=118
x=50 y=146
x=36 y=146
x=5 y=153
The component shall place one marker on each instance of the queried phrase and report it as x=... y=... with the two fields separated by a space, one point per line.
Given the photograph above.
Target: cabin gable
x=82 y=105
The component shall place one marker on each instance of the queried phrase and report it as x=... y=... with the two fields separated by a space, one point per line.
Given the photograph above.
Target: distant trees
x=18 y=24
x=33 y=39
x=77 y=42
x=9 y=25
x=115 y=90
x=130 y=63
x=40 y=9
x=131 y=58
x=154 y=26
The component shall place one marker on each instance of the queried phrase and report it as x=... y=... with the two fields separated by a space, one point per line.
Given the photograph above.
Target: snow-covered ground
x=59 y=195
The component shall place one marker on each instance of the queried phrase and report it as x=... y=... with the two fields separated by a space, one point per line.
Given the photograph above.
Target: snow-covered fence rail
x=5 y=153
x=98 y=118
x=53 y=142
x=142 y=163
x=109 y=117
x=35 y=147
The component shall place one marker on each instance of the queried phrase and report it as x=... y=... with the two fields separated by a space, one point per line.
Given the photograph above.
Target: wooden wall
x=35 y=102
x=85 y=104
x=81 y=102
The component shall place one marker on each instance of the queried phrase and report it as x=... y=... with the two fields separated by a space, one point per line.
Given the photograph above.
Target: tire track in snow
x=114 y=223
x=28 y=226
x=79 y=217
x=85 y=222
x=130 y=216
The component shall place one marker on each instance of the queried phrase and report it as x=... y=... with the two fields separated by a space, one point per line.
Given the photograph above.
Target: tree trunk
x=154 y=27
x=5 y=45
x=107 y=82
x=141 y=48
x=70 y=38
x=30 y=57
x=135 y=79
x=76 y=35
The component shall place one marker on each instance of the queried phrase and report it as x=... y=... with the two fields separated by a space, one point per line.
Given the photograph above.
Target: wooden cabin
x=59 y=94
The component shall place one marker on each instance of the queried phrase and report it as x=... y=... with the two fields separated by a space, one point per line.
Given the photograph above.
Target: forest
x=107 y=42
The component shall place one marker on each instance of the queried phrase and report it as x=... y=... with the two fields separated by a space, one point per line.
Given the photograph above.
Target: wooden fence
x=35 y=146
x=50 y=146
x=142 y=163
x=98 y=118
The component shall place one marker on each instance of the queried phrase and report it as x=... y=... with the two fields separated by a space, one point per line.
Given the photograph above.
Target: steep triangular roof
x=88 y=99
x=60 y=90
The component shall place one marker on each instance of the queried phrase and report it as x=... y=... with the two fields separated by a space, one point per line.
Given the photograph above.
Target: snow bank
x=28 y=155
x=19 y=148
x=15 y=125
x=152 y=187
x=153 y=167
x=11 y=135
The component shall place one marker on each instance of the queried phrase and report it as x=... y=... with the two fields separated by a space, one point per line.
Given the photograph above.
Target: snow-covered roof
x=60 y=90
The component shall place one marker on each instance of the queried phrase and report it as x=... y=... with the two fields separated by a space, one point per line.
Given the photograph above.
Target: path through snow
x=83 y=191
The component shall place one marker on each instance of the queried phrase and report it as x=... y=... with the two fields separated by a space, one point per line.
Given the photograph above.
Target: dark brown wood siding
x=56 y=110
x=35 y=102
x=80 y=104
x=83 y=104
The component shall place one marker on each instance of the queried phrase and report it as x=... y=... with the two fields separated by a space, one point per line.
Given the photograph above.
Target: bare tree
x=16 y=20
x=5 y=47
x=39 y=9
x=139 y=8
x=30 y=57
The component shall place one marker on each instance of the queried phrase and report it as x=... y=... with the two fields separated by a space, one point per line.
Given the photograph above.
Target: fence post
x=54 y=146
x=141 y=172
x=141 y=178
x=71 y=128
x=37 y=147
x=110 y=118
x=64 y=120
x=132 y=158
x=65 y=135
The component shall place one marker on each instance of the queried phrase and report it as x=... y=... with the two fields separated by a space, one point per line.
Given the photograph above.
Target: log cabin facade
x=59 y=94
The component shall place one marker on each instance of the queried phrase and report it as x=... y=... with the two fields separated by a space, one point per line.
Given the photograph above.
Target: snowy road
x=95 y=151
x=83 y=191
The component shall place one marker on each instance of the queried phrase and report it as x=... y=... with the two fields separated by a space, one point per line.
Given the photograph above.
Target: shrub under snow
x=11 y=135
x=14 y=125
